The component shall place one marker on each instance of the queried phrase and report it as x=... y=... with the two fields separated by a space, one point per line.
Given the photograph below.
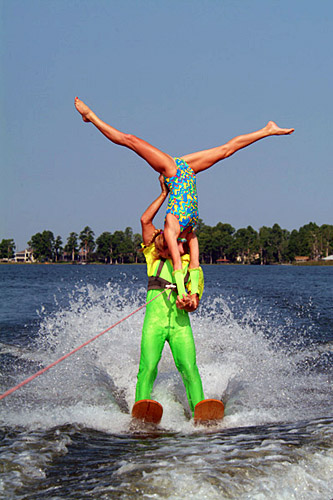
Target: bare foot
x=82 y=109
x=273 y=129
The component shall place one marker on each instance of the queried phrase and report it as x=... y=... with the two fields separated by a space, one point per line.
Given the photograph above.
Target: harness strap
x=158 y=283
x=160 y=267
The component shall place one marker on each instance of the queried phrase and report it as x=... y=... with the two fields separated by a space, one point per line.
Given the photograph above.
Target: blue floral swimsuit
x=183 y=199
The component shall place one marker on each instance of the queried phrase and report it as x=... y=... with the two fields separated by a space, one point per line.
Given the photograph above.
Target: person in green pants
x=167 y=318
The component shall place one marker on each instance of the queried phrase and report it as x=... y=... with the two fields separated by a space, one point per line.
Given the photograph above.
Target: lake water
x=264 y=345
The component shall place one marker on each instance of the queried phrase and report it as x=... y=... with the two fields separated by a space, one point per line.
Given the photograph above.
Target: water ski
x=148 y=410
x=208 y=411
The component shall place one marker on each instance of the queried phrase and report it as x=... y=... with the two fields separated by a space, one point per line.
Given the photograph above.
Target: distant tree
x=104 y=247
x=284 y=246
x=204 y=234
x=266 y=245
x=310 y=240
x=279 y=241
x=42 y=245
x=87 y=241
x=252 y=238
x=240 y=245
x=128 y=246
x=119 y=246
x=222 y=235
x=58 y=247
x=326 y=234
x=200 y=225
x=246 y=244
x=273 y=244
x=71 y=246
x=7 y=248
x=294 y=245
x=137 y=239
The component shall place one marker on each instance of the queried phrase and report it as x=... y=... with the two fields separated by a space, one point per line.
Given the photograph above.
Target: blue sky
x=185 y=75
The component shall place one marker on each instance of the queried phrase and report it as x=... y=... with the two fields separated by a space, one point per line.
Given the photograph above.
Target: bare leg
x=194 y=250
x=159 y=161
x=205 y=159
x=171 y=233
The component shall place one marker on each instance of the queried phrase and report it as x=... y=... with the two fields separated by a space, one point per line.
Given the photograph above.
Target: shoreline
x=292 y=264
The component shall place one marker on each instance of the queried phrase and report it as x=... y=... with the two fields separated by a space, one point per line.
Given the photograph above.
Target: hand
x=194 y=303
x=164 y=188
x=188 y=302
x=181 y=302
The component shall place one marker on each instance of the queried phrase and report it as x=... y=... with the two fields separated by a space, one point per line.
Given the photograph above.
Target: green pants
x=164 y=322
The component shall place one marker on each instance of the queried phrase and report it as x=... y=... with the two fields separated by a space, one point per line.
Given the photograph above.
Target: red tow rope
x=43 y=370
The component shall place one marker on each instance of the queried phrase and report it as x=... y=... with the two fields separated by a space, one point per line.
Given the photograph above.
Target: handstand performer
x=179 y=174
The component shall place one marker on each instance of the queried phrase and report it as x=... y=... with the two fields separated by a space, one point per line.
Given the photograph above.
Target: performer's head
x=162 y=247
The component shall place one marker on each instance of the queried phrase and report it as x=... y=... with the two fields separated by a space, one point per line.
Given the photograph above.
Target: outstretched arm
x=148 y=215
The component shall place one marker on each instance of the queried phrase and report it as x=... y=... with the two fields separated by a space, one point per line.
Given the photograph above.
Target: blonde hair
x=160 y=243
x=156 y=233
x=159 y=240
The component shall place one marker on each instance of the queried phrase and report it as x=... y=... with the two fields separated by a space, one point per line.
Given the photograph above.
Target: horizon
x=64 y=240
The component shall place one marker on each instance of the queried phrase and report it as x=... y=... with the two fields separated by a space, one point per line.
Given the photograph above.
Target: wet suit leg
x=183 y=350
x=165 y=322
x=152 y=343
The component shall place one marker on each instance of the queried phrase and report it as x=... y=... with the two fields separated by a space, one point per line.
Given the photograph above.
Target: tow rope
x=43 y=370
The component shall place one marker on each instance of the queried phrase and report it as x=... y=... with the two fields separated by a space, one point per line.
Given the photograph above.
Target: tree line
x=220 y=243
x=269 y=245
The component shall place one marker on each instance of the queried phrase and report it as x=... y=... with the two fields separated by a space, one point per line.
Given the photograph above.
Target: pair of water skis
x=207 y=412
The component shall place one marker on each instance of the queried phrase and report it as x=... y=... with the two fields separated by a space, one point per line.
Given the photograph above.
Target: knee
x=131 y=141
x=148 y=370
x=189 y=370
x=172 y=227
